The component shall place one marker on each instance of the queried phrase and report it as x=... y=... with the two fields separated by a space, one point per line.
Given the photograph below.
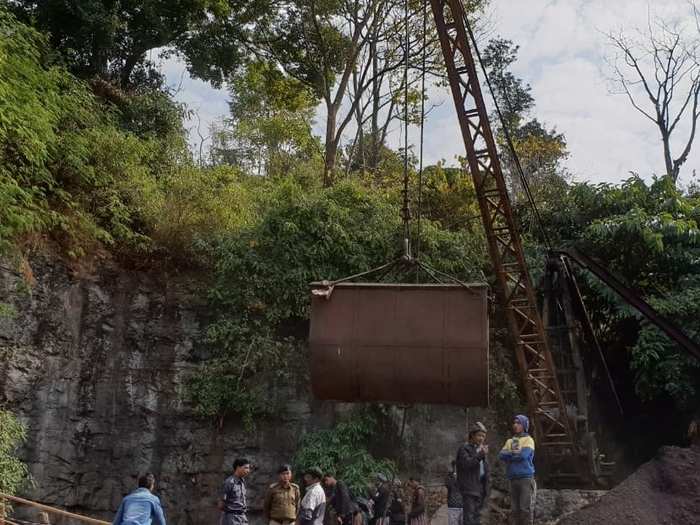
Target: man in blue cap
x=518 y=454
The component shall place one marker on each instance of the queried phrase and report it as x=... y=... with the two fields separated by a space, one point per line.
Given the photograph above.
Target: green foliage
x=311 y=44
x=13 y=472
x=151 y=113
x=648 y=235
x=192 y=204
x=540 y=151
x=262 y=272
x=112 y=39
x=513 y=95
x=343 y=451
x=66 y=169
x=270 y=126
x=87 y=176
x=448 y=196
x=7 y=311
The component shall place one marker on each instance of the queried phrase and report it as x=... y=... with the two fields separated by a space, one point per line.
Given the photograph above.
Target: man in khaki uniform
x=282 y=499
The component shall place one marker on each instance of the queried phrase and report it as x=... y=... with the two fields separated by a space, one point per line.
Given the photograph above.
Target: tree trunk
x=374 y=137
x=129 y=65
x=329 y=166
x=670 y=169
x=331 y=148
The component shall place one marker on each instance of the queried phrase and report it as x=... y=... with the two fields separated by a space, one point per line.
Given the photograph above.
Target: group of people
x=328 y=501
x=468 y=483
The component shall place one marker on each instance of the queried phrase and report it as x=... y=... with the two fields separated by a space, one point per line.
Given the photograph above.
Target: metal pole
x=52 y=510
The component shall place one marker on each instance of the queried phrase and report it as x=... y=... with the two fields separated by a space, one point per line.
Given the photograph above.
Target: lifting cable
x=406 y=210
x=509 y=140
x=407 y=259
x=422 y=128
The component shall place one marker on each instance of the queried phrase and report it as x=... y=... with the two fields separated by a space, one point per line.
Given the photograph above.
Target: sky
x=565 y=56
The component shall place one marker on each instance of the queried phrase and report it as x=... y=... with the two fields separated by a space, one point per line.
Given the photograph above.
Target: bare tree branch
x=663 y=65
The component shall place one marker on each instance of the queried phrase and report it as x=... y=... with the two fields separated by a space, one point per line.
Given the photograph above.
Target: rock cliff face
x=94 y=365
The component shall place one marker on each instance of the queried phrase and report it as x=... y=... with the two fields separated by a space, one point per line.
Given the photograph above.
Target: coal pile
x=663 y=491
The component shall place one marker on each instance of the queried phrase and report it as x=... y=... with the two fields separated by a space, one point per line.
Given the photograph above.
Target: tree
x=658 y=227
x=112 y=39
x=12 y=470
x=320 y=43
x=344 y=50
x=540 y=151
x=342 y=451
x=270 y=124
x=659 y=71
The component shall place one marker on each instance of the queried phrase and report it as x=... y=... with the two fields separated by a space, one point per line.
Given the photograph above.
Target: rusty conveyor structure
x=630 y=297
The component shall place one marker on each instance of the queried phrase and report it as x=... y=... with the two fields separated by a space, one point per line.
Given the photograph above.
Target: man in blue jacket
x=518 y=454
x=141 y=507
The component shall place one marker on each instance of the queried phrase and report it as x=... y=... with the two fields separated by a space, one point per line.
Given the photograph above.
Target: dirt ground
x=663 y=491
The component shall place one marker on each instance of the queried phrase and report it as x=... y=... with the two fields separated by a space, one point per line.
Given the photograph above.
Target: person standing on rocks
x=141 y=507
x=518 y=454
x=313 y=505
x=282 y=499
x=232 y=501
x=473 y=474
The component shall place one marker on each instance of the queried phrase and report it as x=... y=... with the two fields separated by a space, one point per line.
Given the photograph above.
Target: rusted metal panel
x=401 y=343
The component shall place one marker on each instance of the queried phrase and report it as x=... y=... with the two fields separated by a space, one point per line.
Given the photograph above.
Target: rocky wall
x=95 y=362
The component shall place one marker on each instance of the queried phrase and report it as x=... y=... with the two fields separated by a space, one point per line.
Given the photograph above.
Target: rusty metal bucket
x=400 y=343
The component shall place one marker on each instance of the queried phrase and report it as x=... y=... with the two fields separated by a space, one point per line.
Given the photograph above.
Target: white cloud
x=562 y=53
x=562 y=56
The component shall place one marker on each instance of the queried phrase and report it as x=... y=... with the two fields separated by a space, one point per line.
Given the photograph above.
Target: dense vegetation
x=12 y=471
x=94 y=162
x=342 y=451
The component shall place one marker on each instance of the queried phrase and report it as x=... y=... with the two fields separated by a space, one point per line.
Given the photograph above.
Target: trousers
x=522 y=500
x=472 y=509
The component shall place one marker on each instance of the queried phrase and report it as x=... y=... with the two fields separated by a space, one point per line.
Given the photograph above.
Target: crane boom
x=553 y=428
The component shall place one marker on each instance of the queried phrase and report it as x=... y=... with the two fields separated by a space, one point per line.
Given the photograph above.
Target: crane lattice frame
x=516 y=293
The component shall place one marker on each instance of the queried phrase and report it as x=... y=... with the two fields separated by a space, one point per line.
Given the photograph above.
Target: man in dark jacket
x=382 y=501
x=473 y=474
x=341 y=500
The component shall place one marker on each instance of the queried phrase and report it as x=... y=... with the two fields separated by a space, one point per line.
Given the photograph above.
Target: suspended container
x=400 y=343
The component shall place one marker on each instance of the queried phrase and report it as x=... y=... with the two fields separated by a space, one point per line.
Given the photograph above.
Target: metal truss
x=552 y=428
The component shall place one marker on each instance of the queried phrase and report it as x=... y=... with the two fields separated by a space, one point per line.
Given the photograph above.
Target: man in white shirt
x=313 y=505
